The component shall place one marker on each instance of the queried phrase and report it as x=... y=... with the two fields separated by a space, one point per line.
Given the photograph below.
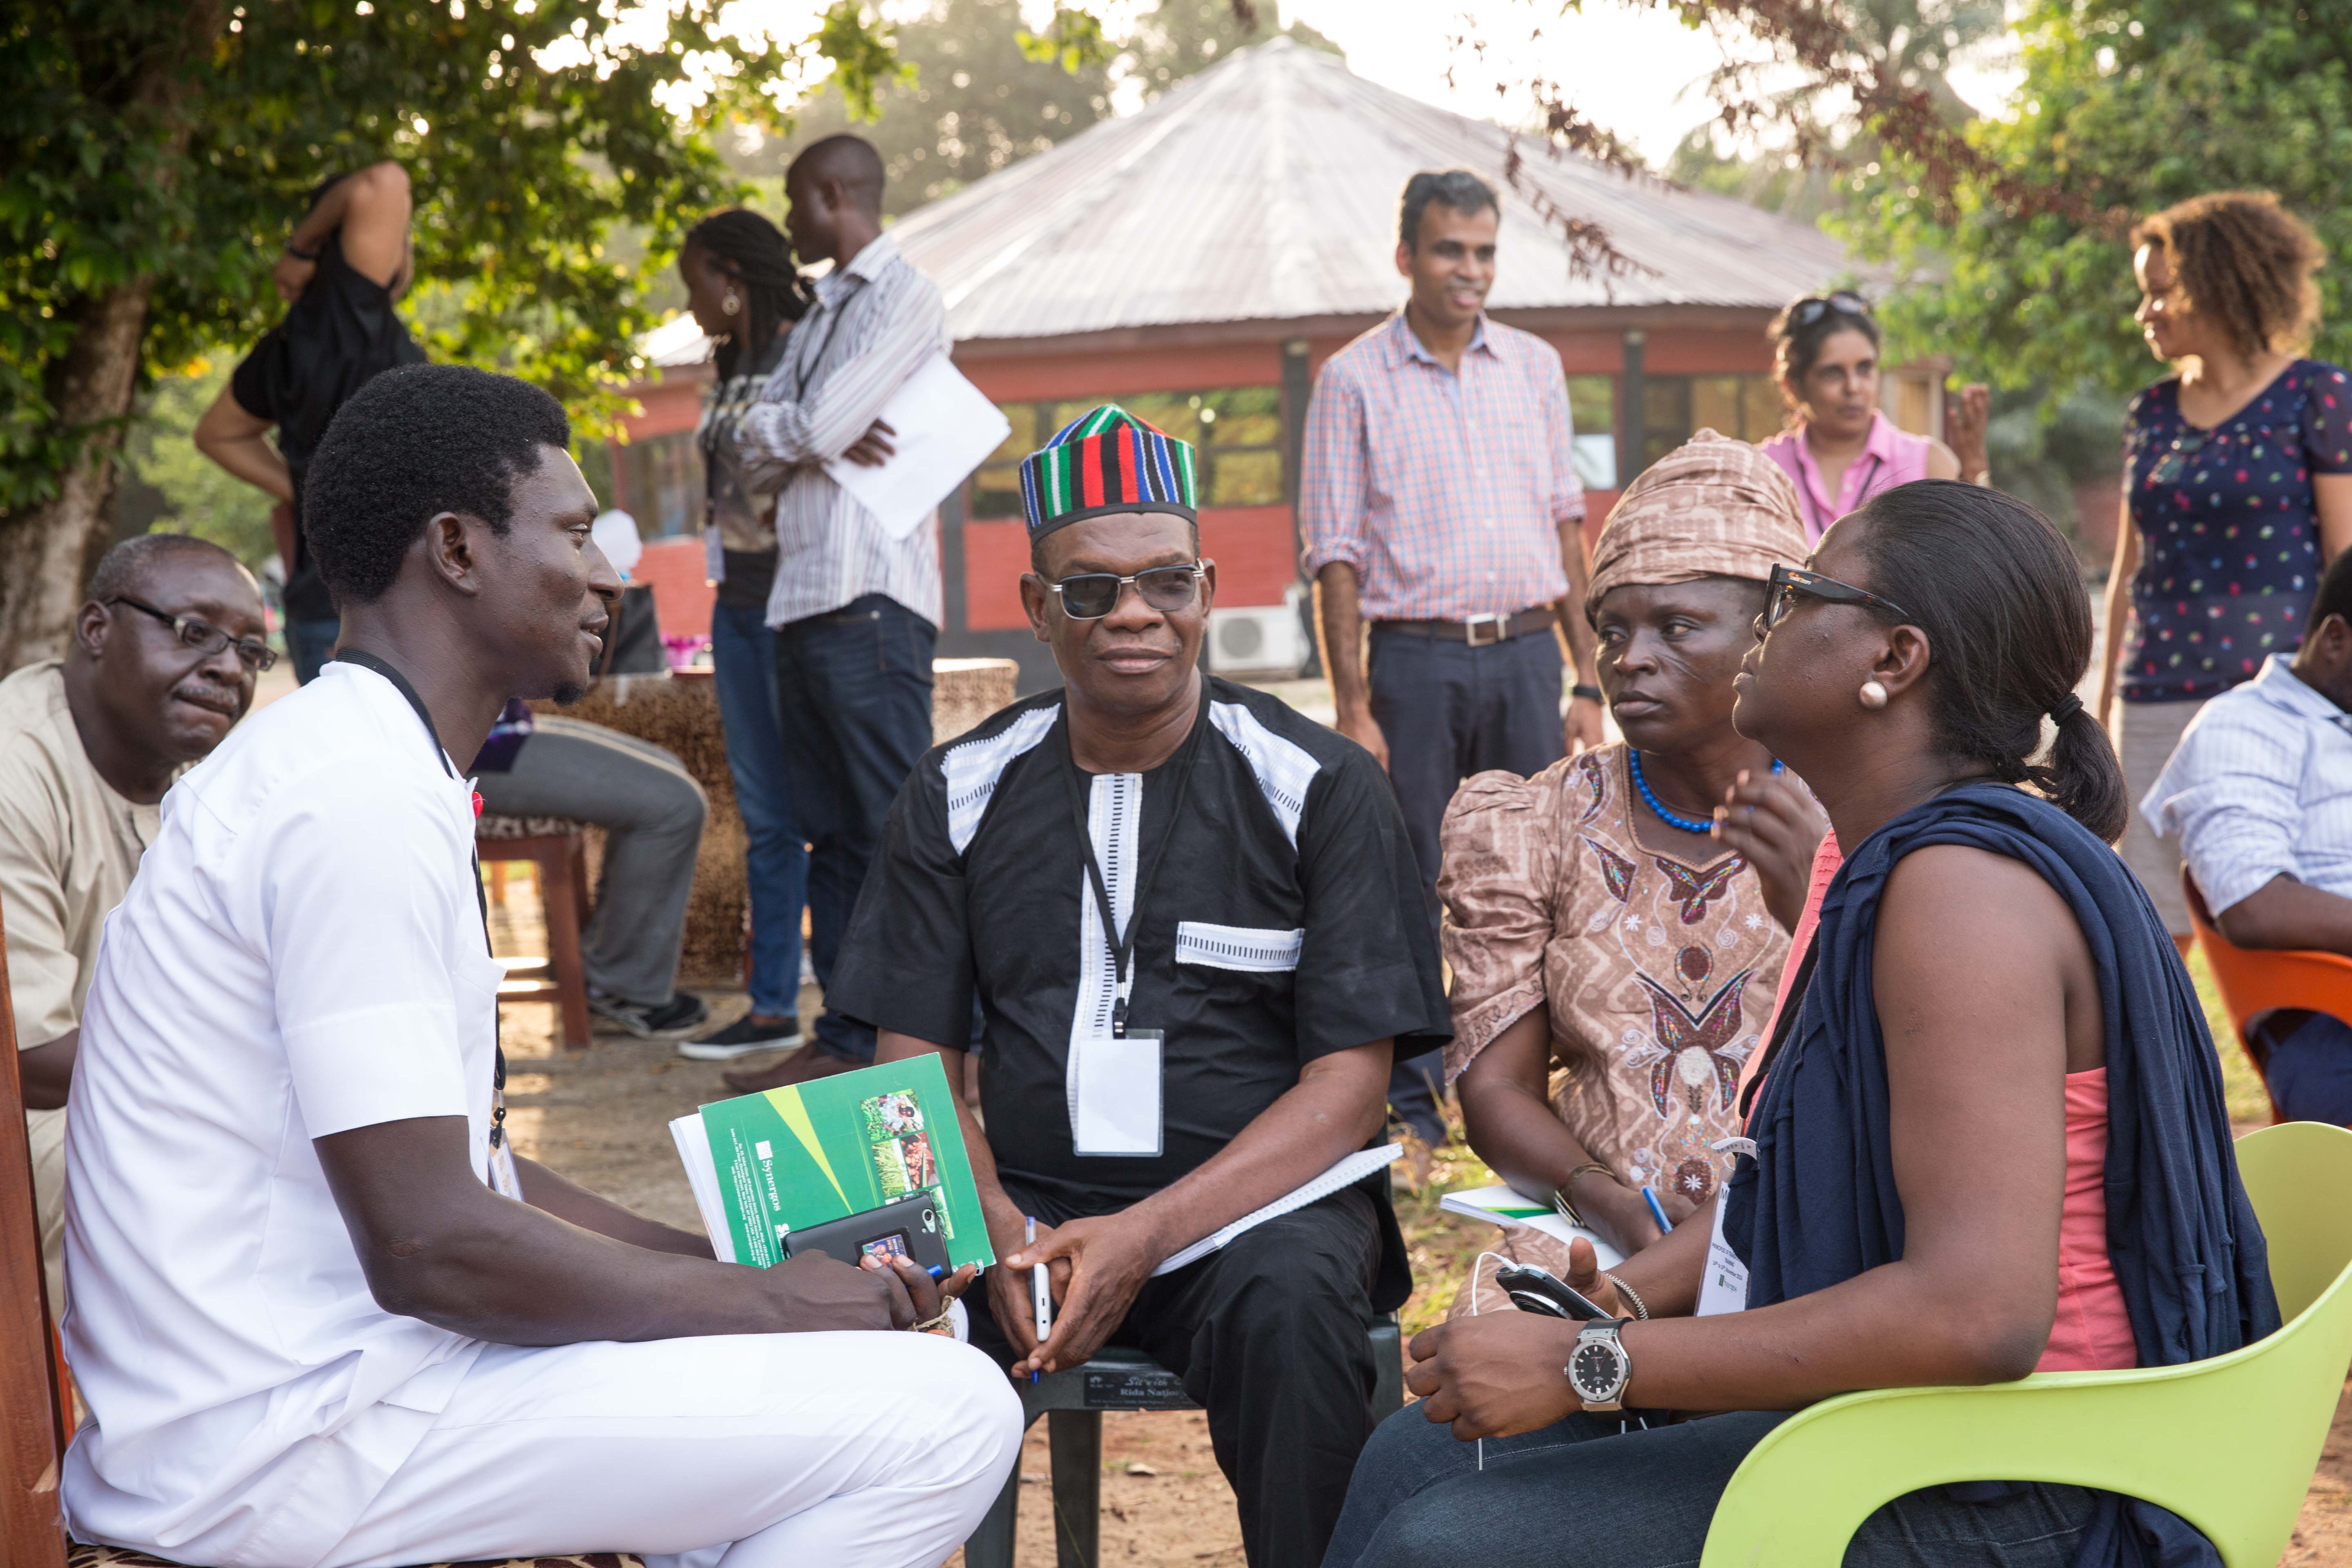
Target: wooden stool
x=555 y=846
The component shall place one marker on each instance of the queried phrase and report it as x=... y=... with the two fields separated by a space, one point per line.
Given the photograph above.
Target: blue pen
x=1658 y=1210
x=937 y=1272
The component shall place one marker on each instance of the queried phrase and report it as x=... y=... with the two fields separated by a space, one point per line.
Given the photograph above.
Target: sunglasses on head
x=1845 y=303
x=1788 y=583
x=1091 y=596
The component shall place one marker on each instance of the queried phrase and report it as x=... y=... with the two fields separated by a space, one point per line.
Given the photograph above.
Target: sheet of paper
x=1354 y=1168
x=702 y=1179
x=1119 y=1094
x=943 y=427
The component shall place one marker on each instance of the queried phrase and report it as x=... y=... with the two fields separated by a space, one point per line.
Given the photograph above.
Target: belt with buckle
x=1477 y=631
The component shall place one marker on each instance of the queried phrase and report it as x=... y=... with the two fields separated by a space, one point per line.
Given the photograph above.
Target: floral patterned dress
x=1657 y=976
x=2228 y=530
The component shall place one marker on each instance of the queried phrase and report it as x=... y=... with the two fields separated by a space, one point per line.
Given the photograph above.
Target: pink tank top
x=2092 y=1331
x=1889 y=458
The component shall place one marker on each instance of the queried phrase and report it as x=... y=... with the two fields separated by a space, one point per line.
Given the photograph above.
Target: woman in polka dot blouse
x=2238 y=486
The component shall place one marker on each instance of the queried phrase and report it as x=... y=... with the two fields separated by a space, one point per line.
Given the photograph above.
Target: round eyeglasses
x=1091 y=596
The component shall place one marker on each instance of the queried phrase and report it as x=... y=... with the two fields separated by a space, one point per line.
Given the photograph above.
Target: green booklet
x=767 y=1164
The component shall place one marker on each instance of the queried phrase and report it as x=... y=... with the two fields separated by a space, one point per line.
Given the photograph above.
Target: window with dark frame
x=1677 y=408
x=1235 y=432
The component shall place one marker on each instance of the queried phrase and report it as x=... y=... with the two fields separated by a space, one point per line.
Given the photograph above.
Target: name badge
x=1724 y=1286
x=505 y=1180
x=1115 y=1108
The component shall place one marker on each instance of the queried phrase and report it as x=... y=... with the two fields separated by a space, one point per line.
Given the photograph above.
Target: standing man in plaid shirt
x=1438 y=505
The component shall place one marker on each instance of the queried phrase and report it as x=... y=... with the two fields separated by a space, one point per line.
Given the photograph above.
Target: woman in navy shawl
x=1899 y=1224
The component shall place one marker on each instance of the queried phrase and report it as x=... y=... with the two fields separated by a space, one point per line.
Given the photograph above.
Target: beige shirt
x=69 y=846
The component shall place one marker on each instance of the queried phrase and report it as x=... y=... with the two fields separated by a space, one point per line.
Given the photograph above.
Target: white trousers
x=835 y=1450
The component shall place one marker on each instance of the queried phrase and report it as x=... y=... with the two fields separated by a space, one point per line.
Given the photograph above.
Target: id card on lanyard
x=501 y=1177
x=1116 y=1105
x=1724 y=1287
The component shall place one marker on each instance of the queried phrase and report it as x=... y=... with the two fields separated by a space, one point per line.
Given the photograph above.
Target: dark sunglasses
x=1091 y=596
x=1788 y=583
x=1845 y=303
x=205 y=637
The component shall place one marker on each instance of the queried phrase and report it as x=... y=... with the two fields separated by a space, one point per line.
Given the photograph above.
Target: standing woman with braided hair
x=2237 y=486
x=744 y=294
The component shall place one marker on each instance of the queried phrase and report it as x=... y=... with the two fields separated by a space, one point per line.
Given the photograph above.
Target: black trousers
x=1269 y=1335
x=1449 y=710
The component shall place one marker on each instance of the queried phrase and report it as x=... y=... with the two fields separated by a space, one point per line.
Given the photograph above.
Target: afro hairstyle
x=412 y=444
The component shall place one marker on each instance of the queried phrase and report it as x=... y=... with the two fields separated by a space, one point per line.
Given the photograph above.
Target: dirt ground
x=602 y=1117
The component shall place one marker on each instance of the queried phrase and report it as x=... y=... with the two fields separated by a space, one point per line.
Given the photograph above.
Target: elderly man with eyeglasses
x=1193 y=925
x=162 y=663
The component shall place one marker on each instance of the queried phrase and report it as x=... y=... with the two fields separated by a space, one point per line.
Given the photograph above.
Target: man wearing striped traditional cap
x=1193 y=925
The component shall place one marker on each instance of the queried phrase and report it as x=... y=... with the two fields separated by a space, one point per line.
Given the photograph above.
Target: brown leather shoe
x=804 y=1065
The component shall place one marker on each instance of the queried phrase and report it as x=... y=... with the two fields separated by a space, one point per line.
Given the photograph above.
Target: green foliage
x=864 y=59
x=2126 y=106
x=200 y=496
x=1072 y=40
x=178 y=142
x=977 y=102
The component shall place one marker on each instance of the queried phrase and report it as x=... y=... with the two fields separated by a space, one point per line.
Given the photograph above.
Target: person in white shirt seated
x=2260 y=791
x=323 y=1317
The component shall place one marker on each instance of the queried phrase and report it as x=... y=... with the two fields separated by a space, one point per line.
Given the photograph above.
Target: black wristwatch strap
x=301 y=255
x=1589 y=693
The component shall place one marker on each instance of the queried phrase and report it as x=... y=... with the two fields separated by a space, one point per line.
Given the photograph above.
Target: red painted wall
x=682 y=592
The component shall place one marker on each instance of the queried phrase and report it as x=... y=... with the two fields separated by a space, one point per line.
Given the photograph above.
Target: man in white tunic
x=322 y=1317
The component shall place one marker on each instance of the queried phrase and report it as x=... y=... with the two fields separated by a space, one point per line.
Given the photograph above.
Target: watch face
x=1594 y=1369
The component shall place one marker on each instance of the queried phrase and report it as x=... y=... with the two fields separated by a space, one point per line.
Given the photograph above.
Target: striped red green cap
x=1108 y=461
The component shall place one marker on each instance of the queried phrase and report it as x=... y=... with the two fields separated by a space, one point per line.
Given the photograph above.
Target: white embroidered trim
x=1283 y=769
x=1115 y=818
x=1245 y=948
x=973 y=768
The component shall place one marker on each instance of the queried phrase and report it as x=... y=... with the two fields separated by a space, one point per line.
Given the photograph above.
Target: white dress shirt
x=875 y=322
x=2261 y=787
x=300 y=954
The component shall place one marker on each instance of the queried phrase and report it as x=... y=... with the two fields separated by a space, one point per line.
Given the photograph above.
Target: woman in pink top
x=1841 y=449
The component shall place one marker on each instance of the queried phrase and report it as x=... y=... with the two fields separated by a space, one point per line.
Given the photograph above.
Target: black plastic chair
x=1072 y=1402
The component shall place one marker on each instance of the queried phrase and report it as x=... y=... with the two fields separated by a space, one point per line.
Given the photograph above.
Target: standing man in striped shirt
x=856 y=612
x=1439 y=505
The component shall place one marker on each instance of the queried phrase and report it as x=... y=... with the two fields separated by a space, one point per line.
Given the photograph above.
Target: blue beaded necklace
x=1649 y=798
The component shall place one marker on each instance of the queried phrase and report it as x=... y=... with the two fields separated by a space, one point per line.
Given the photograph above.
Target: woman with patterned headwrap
x=1614 y=955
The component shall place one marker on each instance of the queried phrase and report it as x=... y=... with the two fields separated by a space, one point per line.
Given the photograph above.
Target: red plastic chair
x=2254 y=982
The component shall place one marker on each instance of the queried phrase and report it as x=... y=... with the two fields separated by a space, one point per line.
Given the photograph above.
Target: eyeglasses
x=1846 y=302
x=1091 y=596
x=2175 y=462
x=1788 y=583
x=205 y=637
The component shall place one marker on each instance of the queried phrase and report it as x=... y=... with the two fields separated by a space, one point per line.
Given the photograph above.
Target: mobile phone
x=907 y=1228
x=1532 y=1290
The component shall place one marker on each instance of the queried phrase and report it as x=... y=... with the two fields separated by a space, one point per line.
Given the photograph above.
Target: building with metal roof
x=1199 y=259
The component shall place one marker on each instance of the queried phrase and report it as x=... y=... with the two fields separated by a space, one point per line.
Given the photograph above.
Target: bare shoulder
x=1943 y=463
x=1958 y=909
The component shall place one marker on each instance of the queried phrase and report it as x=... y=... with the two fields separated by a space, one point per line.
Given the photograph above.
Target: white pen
x=1041 y=1291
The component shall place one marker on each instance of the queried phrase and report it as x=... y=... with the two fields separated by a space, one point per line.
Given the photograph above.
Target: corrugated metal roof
x=1265 y=189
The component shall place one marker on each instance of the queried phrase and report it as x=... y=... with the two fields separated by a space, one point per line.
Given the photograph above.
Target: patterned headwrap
x=1108 y=461
x=1713 y=506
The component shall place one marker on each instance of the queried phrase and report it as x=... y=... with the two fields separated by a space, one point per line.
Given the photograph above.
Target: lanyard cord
x=481 y=899
x=1122 y=949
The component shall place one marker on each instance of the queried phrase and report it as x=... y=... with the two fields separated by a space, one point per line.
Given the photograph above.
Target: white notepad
x=942 y=427
x=1346 y=1173
x=1507 y=1206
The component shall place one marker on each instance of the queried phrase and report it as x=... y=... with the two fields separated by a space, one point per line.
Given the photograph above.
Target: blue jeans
x=775 y=852
x=1580 y=1494
x=309 y=643
x=854 y=691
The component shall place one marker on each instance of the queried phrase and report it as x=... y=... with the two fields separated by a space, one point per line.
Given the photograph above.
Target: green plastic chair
x=2229 y=1445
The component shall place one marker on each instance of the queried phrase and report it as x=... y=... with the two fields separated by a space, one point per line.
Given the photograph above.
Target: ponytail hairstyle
x=2008 y=628
x=753 y=252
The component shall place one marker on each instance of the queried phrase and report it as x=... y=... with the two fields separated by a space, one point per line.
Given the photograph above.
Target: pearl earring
x=730 y=305
x=1874 y=695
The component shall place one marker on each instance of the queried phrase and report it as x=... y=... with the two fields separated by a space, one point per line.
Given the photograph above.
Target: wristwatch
x=1599 y=1368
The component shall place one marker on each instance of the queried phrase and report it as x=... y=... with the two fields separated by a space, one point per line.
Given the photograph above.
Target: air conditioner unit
x=1268 y=641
